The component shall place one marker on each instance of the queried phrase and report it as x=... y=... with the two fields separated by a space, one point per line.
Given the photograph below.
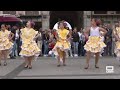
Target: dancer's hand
x=10 y=39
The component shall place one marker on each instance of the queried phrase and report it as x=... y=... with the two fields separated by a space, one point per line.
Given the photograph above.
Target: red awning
x=9 y=19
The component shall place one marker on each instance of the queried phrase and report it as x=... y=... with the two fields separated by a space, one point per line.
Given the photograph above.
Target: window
x=117 y=12
x=115 y=22
x=100 y=12
x=107 y=22
x=32 y=13
x=9 y=12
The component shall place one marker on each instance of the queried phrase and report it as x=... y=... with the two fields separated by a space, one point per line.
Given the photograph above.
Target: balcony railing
x=9 y=12
x=108 y=13
x=31 y=13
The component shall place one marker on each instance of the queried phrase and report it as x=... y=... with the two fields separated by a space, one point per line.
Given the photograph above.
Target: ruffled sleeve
x=7 y=33
x=34 y=33
x=67 y=31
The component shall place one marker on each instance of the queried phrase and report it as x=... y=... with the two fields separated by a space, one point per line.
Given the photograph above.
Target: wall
x=86 y=18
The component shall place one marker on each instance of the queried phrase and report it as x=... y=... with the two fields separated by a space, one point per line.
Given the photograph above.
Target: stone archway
x=75 y=18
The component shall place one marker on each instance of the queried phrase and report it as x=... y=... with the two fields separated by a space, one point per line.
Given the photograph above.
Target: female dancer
x=116 y=33
x=62 y=44
x=29 y=46
x=5 y=43
x=94 y=43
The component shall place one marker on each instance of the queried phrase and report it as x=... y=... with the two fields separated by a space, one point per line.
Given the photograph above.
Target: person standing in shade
x=39 y=40
x=45 y=38
x=81 y=50
x=75 y=37
x=17 y=39
x=108 y=40
x=13 y=50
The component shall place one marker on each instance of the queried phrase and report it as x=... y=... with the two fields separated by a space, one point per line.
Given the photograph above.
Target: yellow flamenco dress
x=117 y=44
x=5 y=44
x=62 y=43
x=29 y=46
x=94 y=44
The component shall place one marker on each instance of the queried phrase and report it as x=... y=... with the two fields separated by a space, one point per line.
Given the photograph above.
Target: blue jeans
x=45 y=47
x=81 y=50
x=75 y=46
x=14 y=49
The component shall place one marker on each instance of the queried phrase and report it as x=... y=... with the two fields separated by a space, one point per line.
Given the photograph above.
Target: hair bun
x=32 y=23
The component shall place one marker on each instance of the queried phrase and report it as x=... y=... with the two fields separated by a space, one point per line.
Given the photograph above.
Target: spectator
x=108 y=40
x=51 y=39
x=39 y=40
x=81 y=50
x=17 y=39
x=13 y=53
x=45 y=38
x=75 y=37
x=71 y=45
x=54 y=32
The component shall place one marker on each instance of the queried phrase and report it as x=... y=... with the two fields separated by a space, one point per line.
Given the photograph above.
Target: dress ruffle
x=29 y=49
x=117 y=48
x=94 y=44
x=117 y=44
x=5 y=44
x=29 y=46
x=63 y=45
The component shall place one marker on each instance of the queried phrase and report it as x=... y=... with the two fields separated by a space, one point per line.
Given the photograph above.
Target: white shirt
x=81 y=36
x=17 y=35
x=94 y=31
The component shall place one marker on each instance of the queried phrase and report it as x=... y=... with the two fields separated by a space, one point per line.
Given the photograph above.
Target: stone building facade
x=80 y=19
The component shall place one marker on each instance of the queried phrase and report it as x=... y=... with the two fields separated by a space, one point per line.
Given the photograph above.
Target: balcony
x=9 y=12
x=105 y=13
x=31 y=13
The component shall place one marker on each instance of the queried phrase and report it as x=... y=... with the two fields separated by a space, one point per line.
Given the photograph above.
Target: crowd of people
x=48 y=41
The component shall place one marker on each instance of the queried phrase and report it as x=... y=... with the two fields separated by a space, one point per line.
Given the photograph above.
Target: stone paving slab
x=48 y=67
x=12 y=64
x=82 y=77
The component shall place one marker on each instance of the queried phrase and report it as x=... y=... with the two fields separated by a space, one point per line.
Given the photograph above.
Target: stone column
x=1 y=12
x=87 y=18
x=20 y=12
x=45 y=19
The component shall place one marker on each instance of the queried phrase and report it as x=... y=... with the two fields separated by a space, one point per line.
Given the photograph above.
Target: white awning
x=56 y=25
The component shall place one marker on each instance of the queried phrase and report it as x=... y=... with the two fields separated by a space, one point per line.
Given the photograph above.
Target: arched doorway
x=73 y=17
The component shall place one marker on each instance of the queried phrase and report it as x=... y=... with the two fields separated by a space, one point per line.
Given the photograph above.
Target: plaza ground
x=46 y=68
